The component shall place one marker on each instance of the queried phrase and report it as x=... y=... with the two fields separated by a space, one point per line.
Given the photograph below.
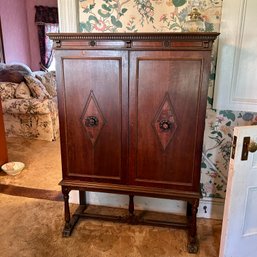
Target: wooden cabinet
x=3 y=147
x=132 y=112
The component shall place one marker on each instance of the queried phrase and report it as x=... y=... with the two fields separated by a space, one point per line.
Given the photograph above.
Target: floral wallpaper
x=218 y=135
x=177 y=16
x=148 y=16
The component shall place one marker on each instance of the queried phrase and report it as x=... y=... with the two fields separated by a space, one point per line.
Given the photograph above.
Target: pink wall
x=32 y=30
x=20 y=31
x=15 y=31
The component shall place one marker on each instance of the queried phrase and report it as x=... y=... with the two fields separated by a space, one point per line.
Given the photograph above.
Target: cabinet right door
x=168 y=94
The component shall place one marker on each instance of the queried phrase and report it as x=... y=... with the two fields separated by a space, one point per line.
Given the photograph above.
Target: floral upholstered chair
x=29 y=103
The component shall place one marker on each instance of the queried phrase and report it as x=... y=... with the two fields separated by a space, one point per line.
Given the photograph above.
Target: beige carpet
x=42 y=163
x=32 y=227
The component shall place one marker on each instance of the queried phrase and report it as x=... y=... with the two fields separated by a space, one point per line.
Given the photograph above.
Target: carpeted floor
x=42 y=164
x=31 y=225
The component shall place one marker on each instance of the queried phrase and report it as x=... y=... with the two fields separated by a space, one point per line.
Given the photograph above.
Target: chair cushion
x=7 y=90
x=29 y=106
x=49 y=81
x=22 y=91
x=37 y=89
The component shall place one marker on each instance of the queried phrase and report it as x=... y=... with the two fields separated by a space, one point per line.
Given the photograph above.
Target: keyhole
x=205 y=209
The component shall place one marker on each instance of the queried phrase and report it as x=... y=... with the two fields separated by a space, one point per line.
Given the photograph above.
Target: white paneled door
x=239 y=228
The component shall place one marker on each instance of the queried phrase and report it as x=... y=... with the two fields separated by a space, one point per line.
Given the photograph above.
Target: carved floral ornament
x=92 y=118
x=164 y=122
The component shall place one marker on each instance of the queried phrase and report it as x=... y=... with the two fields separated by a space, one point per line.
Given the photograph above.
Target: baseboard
x=211 y=208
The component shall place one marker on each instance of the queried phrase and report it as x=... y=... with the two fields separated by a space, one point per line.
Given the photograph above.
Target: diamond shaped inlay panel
x=164 y=122
x=92 y=118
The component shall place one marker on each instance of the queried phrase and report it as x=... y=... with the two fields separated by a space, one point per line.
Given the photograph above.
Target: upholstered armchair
x=29 y=103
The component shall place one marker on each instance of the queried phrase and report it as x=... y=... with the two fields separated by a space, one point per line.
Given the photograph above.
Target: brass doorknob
x=248 y=146
x=252 y=147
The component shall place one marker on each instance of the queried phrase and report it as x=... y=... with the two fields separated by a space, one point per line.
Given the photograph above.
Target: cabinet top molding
x=187 y=36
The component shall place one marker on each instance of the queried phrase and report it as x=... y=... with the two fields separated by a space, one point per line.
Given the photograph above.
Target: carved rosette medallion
x=92 y=118
x=164 y=122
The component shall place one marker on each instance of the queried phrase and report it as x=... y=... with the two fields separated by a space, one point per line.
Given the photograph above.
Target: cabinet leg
x=82 y=198
x=192 y=231
x=189 y=209
x=67 y=227
x=70 y=222
x=131 y=205
x=132 y=217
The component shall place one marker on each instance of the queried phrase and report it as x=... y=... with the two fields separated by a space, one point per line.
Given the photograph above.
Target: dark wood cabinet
x=132 y=112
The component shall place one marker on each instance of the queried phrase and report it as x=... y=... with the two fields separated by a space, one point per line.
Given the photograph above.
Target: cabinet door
x=93 y=104
x=167 y=111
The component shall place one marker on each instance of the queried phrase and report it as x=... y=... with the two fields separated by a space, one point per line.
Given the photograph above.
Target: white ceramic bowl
x=13 y=168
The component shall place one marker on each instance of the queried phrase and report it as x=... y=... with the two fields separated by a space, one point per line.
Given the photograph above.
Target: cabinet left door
x=93 y=106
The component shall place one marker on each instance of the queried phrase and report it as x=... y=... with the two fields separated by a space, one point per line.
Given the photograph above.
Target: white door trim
x=68 y=15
